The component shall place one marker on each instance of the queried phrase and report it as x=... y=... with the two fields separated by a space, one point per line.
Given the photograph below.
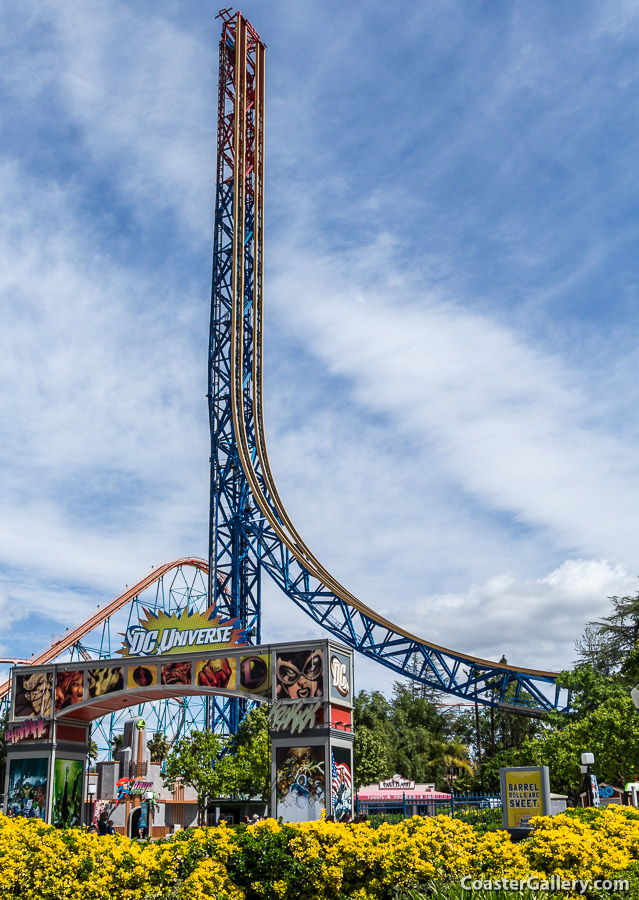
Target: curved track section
x=237 y=339
x=321 y=596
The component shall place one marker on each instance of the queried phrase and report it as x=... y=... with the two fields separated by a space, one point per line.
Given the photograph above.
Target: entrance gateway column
x=307 y=687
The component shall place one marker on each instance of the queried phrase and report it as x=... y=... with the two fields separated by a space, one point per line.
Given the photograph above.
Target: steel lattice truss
x=249 y=527
x=234 y=578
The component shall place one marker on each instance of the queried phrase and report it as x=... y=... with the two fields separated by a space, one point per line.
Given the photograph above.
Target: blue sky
x=451 y=308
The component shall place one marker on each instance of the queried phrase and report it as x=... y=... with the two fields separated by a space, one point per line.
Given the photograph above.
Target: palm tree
x=452 y=756
x=92 y=754
x=159 y=747
x=116 y=743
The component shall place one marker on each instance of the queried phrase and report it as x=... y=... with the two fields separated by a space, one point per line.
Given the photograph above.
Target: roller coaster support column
x=234 y=552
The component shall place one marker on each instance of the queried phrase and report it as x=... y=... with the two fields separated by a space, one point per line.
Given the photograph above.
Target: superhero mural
x=27 y=787
x=33 y=694
x=69 y=689
x=67 y=792
x=216 y=673
x=299 y=674
x=341 y=782
x=176 y=673
x=105 y=680
x=255 y=674
x=141 y=676
x=300 y=783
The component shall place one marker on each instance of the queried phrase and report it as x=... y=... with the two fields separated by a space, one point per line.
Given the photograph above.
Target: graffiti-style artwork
x=105 y=681
x=255 y=674
x=69 y=689
x=141 y=676
x=216 y=673
x=27 y=788
x=33 y=694
x=341 y=783
x=176 y=673
x=299 y=674
x=300 y=783
x=67 y=792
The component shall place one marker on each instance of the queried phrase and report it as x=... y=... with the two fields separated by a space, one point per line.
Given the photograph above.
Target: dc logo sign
x=339 y=676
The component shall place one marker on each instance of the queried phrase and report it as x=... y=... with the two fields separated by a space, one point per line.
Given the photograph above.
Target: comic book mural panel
x=341 y=782
x=255 y=674
x=33 y=694
x=27 y=787
x=216 y=673
x=105 y=681
x=299 y=673
x=176 y=673
x=300 y=783
x=69 y=688
x=141 y=676
x=67 y=792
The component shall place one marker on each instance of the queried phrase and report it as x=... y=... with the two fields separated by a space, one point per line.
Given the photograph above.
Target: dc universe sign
x=148 y=643
x=160 y=633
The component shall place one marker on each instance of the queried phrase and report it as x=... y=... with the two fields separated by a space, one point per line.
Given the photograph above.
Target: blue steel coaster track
x=250 y=528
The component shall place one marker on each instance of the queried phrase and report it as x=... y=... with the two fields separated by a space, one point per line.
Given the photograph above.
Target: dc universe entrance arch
x=307 y=687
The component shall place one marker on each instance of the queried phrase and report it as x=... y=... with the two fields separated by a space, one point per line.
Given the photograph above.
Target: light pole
x=149 y=797
x=592 y=788
x=92 y=790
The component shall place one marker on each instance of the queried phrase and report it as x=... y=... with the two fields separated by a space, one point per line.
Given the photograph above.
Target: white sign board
x=397 y=784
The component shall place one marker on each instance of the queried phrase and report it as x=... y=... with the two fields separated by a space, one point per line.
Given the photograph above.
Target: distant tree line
x=422 y=735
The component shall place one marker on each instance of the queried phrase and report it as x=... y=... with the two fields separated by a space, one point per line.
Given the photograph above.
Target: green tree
x=160 y=747
x=116 y=743
x=418 y=727
x=415 y=687
x=244 y=768
x=371 y=757
x=589 y=688
x=606 y=642
x=372 y=710
x=451 y=757
x=396 y=736
x=191 y=762
x=374 y=737
x=92 y=754
x=593 y=695
x=611 y=732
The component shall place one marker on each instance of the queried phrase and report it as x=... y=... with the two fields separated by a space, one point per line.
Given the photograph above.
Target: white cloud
x=533 y=622
x=144 y=105
x=505 y=420
x=104 y=419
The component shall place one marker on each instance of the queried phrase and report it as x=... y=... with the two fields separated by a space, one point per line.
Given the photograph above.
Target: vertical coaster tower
x=234 y=552
x=250 y=529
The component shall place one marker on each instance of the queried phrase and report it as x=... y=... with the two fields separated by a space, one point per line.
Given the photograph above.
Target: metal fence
x=476 y=809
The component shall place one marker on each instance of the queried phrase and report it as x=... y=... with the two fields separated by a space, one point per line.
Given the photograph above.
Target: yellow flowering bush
x=318 y=860
x=566 y=847
x=210 y=879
